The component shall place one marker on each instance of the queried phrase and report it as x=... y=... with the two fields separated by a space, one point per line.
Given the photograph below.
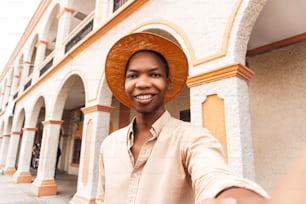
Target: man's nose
x=143 y=82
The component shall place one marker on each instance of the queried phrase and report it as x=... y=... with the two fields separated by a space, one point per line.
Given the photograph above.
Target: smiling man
x=157 y=158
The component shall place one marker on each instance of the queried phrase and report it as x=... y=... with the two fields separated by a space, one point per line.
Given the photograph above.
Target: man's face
x=146 y=82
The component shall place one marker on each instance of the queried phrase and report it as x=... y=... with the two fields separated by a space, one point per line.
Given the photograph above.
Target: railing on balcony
x=47 y=64
x=15 y=95
x=27 y=85
x=85 y=27
x=118 y=4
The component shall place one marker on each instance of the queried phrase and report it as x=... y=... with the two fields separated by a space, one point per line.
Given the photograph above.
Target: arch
x=72 y=86
x=34 y=111
x=50 y=30
x=242 y=28
x=19 y=119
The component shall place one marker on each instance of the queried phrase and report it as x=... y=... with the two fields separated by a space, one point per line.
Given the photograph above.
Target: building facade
x=54 y=94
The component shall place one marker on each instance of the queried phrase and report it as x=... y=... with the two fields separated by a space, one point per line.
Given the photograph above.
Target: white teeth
x=144 y=97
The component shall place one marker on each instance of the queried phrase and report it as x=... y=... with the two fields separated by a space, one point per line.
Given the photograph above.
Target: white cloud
x=14 y=18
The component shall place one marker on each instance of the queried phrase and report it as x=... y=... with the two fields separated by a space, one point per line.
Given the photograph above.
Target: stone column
x=40 y=56
x=44 y=184
x=227 y=84
x=96 y=128
x=64 y=25
x=4 y=149
x=23 y=175
x=10 y=164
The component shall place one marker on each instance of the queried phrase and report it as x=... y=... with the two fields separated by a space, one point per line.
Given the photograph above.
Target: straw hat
x=122 y=50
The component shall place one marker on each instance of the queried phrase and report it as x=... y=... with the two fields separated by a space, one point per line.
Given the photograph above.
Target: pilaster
x=96 y=122
x=225 y=92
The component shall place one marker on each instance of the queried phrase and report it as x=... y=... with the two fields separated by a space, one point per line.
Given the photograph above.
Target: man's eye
x=131 y=76
x=155 y=75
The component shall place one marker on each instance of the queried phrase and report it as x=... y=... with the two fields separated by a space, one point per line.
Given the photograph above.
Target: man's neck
x=145 y=121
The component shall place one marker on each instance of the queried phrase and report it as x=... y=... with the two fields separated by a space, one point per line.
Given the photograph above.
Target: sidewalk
x=11 y=193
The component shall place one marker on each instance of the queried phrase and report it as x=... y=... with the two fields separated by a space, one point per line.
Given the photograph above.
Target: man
x=157 y=158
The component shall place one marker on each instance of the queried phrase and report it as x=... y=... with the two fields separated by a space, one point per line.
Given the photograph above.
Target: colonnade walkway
x=12 y=193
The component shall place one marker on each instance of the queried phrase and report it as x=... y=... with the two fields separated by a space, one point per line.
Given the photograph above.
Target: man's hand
x=223 y=201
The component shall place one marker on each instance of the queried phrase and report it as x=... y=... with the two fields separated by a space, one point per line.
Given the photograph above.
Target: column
x=7 y=92
x=10 y=168
x=96 y=128
x=63 y=30
x=40 y=55
x=16 y=78
x=225 y=90
x=25 y=73
x=23 y=175
x=101 y=12
x=2 y=100
x=4 y=149
x=44 y=184
x=1 y=139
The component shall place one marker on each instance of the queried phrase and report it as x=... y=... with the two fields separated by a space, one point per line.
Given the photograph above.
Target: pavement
x=12 y=193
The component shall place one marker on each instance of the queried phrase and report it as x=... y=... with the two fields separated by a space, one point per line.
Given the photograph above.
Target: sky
x=14 y=18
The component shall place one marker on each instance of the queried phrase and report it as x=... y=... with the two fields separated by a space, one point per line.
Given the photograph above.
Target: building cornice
x=233 y=70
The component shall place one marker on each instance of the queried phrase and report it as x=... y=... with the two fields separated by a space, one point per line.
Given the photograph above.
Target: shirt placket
x=135 y=176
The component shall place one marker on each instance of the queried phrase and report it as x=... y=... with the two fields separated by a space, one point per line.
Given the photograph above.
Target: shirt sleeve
x=208 y=169
x=101 y=181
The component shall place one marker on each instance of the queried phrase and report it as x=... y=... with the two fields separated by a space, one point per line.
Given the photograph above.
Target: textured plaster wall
x=234 y=91
x=278 y=109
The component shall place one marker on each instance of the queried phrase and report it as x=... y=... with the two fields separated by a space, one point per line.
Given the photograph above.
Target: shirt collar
x=156 y=127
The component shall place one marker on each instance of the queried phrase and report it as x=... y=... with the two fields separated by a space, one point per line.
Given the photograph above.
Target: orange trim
x=52 y=122
x=9 y=171
x=213 y=118
x=232 y=70
x=80 y=199
x=41 y=42
x=6 y=135
x=225 y=42
x=129 y=9
x=22 y=177
x=68 y=10
x=29 y=129
x=97 y=108
x=16 y=133
x=41 y=9
x=16 y=76
x=278 y=44
x=8 y=86
x=44 y=187
x=27 y=62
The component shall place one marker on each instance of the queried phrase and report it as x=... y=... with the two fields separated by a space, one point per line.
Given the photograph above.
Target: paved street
x=10 y=192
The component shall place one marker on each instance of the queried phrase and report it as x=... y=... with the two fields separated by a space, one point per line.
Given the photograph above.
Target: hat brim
x=122 y=50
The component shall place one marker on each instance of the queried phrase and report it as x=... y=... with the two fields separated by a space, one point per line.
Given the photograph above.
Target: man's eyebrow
x=150 y=69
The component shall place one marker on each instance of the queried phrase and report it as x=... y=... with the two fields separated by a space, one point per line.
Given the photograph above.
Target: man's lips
x=144 y=98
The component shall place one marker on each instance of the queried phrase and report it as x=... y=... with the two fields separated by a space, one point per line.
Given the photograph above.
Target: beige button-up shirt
x=179 y=164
